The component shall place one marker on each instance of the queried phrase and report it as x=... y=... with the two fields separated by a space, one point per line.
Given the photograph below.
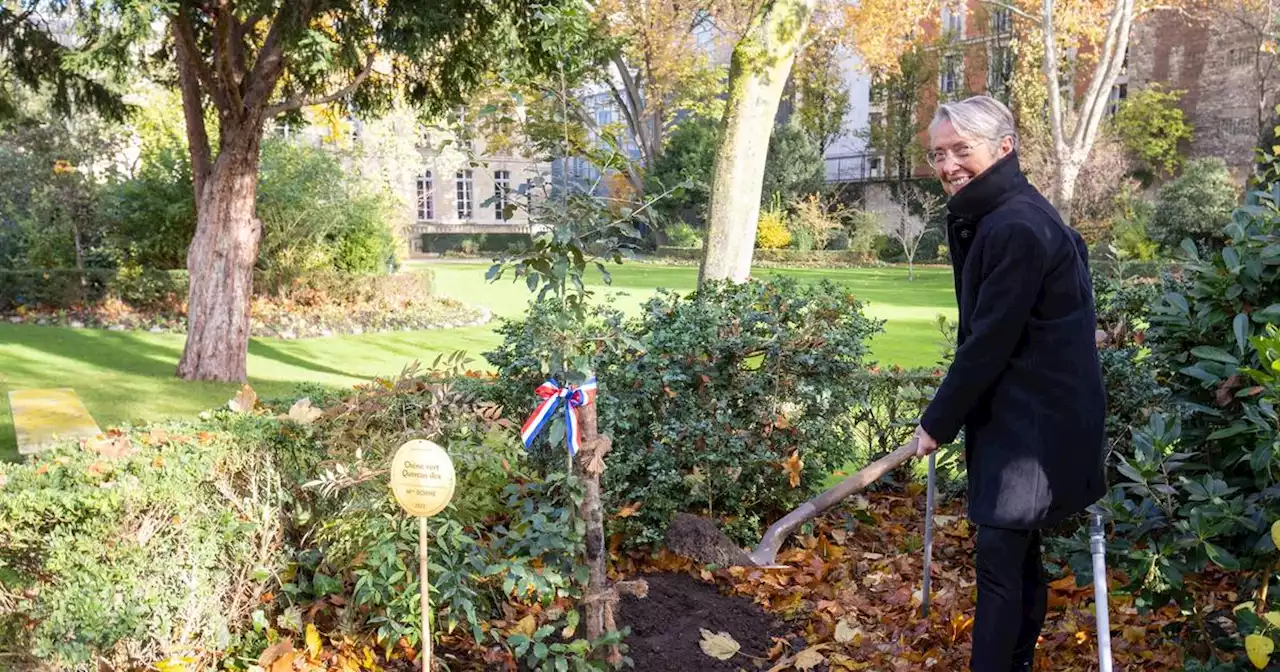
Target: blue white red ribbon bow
x=552 y=395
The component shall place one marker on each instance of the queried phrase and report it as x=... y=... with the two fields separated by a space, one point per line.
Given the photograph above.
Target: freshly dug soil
x=665 y=626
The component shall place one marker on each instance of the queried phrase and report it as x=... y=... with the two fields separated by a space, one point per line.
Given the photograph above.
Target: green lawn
x=125 y=376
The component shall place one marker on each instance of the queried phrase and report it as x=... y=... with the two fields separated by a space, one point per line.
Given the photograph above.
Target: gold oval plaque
x=422 y=478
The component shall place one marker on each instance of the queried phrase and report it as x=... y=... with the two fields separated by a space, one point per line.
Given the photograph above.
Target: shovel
x=766 y=552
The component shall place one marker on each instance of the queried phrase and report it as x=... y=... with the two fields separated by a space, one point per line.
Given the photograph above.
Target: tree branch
x=298 y=101
x=223 y=54
x=1012 y=9
x=270 y=62
x=1105 y=75
x=1050 y=66
x=184 y=34
x=193 y=113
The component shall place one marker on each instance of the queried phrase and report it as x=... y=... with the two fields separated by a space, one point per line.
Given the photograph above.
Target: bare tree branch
x=270 y=62
x=298 y=101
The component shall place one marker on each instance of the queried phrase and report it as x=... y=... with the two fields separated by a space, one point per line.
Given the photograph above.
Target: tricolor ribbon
x=552 y=395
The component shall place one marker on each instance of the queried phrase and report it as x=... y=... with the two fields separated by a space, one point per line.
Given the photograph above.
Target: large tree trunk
x=220 y=263
x=758 y=72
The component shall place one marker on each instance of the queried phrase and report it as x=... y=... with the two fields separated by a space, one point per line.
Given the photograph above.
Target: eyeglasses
x=959 y=152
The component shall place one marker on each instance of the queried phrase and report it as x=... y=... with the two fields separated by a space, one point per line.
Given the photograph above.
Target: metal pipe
x=928 y=535
x=1098 y=548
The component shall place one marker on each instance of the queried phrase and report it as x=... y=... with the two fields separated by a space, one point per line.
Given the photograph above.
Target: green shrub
x=1195 y=487
x=122 y=562
x=315 y=216
x=707 y=395
x=684 y=236
x=152 y=217
x=1152 y=126
x=794 y=167
x=1197 y=205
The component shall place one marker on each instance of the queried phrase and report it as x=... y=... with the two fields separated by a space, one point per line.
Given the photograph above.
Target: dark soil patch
x=665 y=626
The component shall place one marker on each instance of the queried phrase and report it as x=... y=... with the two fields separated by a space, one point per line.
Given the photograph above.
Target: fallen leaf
x=272 y=653
x=1259 y=648
x=244 y=401
x=810 y=658
x=111 y=446
x=284 y=663
x=526 y=626
x=175 y=664
x=303 y=413
x=844 y=633
x=313 y=641
x=793 y=466
x=721 y=646
x=628 y=510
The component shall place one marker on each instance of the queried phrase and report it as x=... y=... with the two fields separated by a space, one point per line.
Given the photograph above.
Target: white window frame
x=951 y=74
x=426 y=197
x=466 y=194
x=501 y=187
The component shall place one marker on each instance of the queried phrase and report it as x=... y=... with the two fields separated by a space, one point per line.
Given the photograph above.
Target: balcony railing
x=860 y=167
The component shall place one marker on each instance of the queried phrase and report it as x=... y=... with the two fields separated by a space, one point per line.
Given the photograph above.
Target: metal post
x=426 y=592
x=1098 y=548
x=928 y=535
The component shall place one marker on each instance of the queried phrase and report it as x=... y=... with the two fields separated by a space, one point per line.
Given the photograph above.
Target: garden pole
x=930 y=495
x=426 y=593
x=1098 y=547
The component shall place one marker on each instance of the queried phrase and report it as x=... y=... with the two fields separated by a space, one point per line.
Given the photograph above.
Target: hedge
x=790 y=257
x=479 y=242
x=65 y=287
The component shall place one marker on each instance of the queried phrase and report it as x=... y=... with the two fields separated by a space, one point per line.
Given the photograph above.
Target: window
x=953 y=21
x=466 y=194
x=426 y=204
x=950 y=76
x=604 y=117
x=1239 y=126
x=1001 y=20
x=1239 y=57
x=1118 y=93
x=501 y=187
x=1000 y=69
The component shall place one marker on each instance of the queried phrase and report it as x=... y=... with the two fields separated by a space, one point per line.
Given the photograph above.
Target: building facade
x=1219 y=61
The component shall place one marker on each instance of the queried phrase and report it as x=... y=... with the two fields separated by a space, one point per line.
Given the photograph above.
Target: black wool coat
x=1026 y=384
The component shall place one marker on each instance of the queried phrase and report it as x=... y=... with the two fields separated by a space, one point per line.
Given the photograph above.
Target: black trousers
x=1012 y=599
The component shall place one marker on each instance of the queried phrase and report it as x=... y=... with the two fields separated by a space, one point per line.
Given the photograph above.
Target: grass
x=127 y=377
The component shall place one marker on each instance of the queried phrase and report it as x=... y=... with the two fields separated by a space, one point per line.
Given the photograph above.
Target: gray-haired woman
x=1026 y=384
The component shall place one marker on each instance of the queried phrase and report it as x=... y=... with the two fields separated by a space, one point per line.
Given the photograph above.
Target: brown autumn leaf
x=112 y=445
x=628 y=510
x=244 y=401
x=155 y=437
x=285 y=663
x=810 y=658
x=303 y=413
x=793 y=466
x=274 y=652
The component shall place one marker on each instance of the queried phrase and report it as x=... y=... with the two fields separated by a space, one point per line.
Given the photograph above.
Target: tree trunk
x=758 y=72
x=220 y=263
x=1064 y=187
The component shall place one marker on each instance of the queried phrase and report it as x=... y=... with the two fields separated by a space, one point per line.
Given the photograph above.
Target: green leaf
x=1189 y=249
x=1131 y=473
x=1231 y=258
x=1226 y=432
x=1221 y=556
x=1178 y=300
x=540 y=651
x=1241 y=327
x=1214 y=354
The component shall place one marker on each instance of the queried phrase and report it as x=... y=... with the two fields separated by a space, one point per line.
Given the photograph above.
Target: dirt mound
x=666 y=626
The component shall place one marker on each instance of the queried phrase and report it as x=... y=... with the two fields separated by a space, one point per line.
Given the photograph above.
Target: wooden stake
x=426 y=594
